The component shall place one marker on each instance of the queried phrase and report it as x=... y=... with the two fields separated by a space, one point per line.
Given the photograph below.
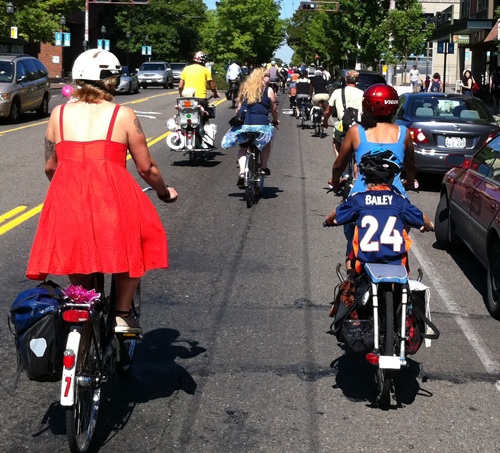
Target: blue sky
x=288 y=7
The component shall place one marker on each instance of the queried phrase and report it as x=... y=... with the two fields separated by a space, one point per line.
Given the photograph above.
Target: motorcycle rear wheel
x=384 y=376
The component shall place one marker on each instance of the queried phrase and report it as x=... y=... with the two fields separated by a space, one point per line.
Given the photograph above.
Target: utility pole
x=390 y=68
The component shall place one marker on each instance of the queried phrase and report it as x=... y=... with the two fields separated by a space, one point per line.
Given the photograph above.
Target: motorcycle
x=386 y=317
x=189 y=132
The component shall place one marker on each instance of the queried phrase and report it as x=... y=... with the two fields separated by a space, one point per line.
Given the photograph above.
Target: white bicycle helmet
x=96 y=64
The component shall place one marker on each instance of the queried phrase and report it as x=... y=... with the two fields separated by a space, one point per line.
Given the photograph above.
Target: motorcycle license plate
x=454 y=142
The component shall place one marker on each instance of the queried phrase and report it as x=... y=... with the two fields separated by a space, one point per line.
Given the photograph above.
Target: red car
x=469 y=212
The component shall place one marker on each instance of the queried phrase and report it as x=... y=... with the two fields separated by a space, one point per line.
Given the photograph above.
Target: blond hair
x=95 y=92
x=253 y=88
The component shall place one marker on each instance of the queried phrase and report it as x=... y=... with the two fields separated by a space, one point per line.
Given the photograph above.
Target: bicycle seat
x=386 y=273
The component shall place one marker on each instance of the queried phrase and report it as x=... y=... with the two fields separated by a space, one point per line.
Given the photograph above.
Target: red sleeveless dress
x=95 y=217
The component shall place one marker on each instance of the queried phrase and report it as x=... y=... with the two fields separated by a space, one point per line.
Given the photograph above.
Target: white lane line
x=477 y=343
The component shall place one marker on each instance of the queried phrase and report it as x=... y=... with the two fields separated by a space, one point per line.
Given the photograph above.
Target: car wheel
x=43 y=110
x=443 y=225
x=172 y=82
x=167 y=85
x=136 y=89
x=15 y=111
x=493 y=303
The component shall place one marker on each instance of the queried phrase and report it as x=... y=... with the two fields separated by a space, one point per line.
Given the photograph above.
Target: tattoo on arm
x=138 y=126
x=49 y=149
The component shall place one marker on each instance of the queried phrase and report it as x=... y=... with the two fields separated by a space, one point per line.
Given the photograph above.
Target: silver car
x=156 y=73
x=177 y=69
x=129 y=82
x=24 y=86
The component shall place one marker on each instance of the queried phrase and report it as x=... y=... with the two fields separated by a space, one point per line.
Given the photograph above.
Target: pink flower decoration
x=78 y=295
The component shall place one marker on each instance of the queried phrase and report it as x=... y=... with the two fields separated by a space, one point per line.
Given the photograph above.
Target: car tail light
x=69 y=359
x=489 y=138
x=372 y=358
x=76 y=315
x=418 y=135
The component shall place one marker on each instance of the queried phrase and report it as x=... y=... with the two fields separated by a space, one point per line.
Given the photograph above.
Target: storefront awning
x=493 y=34
x=461 y=27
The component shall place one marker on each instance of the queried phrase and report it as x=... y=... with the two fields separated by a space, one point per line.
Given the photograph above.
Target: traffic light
x=308 y=5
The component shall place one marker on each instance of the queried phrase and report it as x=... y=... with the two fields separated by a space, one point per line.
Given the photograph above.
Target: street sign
x=13 y=32
x=103 y=44
x=451 y=47
x=441 y=47
x=147 y=50
x=58 y=38
x=66 y=39
x=150 y=50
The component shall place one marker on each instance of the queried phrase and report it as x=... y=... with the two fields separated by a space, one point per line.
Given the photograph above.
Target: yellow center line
x=17 y=221
x=12 y=213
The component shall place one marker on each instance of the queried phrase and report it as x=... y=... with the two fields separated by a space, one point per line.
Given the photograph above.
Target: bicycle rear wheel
x=123 y=367
x=250 y=187
x=81 y=417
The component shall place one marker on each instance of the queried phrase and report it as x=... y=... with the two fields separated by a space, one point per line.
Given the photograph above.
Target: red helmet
x=380 y=99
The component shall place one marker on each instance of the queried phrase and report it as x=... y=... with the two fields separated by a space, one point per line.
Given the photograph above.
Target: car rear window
x=153 y=67
x=454 y=109
x=367 y=80
x=6 y=71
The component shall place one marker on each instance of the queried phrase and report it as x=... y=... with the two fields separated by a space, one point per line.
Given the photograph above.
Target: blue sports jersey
x=380 y=214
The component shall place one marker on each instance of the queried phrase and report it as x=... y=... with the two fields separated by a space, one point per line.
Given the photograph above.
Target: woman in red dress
x=95 y=218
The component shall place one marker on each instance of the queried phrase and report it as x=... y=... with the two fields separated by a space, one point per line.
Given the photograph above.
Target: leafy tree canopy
x=249 y=31
x=37 y=21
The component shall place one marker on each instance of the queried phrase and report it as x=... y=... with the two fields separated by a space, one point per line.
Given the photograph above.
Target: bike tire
x=130 y=345
x=302 y=118
x=317 y=128
x=385 y=376
x=250 y=187
x=81 y=417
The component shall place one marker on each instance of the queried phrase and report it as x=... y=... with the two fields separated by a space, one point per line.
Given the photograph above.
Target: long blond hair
x=253 y=88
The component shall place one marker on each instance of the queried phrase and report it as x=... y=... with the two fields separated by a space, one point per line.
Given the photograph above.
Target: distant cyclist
x=233 y=78
x=320 y=90
x=353 y=98
x=304 y=90
x=274 y=76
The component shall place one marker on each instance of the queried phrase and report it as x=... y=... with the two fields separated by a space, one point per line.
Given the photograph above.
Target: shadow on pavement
x=155 y=374
x=355 y=377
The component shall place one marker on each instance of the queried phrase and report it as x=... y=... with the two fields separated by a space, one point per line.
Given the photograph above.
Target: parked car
x=24 y=86
x=469 y=210
x=442 y=123
x=156 y=73
x=366 y=79
x=177 y=69
x=129 y=82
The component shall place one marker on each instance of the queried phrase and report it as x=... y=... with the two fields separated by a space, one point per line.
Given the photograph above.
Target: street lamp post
x=147 y=42
x=62 y=21
x=103 y=32
x=128 y=48
x=10 y=12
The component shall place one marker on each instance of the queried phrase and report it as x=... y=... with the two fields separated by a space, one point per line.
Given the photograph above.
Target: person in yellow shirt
x=198 y=78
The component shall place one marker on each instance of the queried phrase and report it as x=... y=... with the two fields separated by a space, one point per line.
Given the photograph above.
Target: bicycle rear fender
x=68 y=376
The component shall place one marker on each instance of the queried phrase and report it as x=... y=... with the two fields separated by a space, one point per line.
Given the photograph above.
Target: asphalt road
x=235 y=356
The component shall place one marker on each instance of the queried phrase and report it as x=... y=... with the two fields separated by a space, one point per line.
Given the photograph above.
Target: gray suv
x=156 y=73
x=24 y=86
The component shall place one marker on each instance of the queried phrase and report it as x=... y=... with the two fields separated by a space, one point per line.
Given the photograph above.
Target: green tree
x=361 y=32
x=247 y=31
x=38 y=20
x=172 y=26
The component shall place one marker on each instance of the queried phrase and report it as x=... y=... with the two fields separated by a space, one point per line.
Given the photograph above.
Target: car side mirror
x=455 y=160
x=136 y=70
x=23 y=78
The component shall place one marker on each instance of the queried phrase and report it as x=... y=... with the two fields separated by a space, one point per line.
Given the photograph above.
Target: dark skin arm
x=410 y=162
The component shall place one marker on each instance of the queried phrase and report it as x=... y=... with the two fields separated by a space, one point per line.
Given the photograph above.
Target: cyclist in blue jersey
x=380 y=214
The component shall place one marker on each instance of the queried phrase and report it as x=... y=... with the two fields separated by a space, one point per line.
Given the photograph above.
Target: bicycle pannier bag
x=37 y=326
